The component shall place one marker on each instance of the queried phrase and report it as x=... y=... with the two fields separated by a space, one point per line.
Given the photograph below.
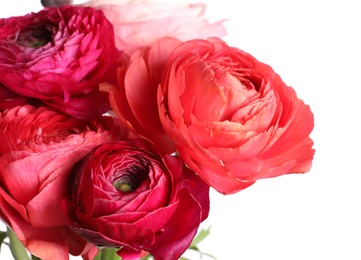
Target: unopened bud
x=56 y=3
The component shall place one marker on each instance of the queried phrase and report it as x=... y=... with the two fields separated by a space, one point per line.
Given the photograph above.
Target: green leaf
x=3 y=235
x=107 y=254
x=200 y=237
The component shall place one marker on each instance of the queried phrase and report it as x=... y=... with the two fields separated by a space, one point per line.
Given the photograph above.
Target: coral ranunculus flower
x=229 y=116
x=139 y=23
x=60 y=55
x=128 y=197
x=39 y=148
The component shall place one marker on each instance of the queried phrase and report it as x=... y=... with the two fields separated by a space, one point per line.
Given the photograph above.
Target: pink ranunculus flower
x=59 y=56
x=139 y=23
x=229 y=116
x=38 y=149
x=128 y=197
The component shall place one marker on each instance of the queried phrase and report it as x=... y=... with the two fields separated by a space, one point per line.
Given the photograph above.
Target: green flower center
x=131 y=178
x=123 y=186
x=34 y=36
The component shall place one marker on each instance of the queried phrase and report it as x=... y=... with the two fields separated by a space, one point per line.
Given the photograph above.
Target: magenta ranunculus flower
x=60 y=55
x=38 y=149
x=139 y=23
x=128 y=197
x=229 y=116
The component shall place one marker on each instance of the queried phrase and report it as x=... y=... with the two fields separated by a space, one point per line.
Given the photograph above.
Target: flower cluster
x=117 y=117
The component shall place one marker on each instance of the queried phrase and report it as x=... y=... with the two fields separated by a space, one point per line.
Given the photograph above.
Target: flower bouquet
x=117 y=117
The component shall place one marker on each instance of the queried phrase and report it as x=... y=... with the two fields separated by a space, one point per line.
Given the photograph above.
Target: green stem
x=107 y=254
x=16 y=247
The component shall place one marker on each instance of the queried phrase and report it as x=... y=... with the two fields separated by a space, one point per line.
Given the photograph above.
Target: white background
x=315 y=46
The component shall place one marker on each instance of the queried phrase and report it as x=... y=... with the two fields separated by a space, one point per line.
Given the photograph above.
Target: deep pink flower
x=229 y=116
x=139 y=23
x=38 y=149
x=60 y=55
x=126 y=196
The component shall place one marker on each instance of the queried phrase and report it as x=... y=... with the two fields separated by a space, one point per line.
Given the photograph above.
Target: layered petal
x=138 y=24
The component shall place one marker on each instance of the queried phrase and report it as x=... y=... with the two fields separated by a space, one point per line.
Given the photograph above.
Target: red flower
x=231 y=117
x=38 y=149
x=126 y=196
x=60 y=55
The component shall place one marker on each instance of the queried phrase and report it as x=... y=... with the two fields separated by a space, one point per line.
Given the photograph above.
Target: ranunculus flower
x=139 y=23
x=60 y=55
x=38 y=149
x=231 y=117
x=126 y=196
